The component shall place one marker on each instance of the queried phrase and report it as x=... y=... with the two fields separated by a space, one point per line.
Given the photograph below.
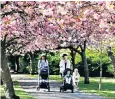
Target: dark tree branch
x=12 y=12
x=85 y=45
x=76 y=50
x=20 y=47
x=70 y=47
x=11 y=41
x=81 y=47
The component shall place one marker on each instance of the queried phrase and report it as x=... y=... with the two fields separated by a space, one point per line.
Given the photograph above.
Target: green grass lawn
x=51 y=77
x=18 y=90
x=108 y=85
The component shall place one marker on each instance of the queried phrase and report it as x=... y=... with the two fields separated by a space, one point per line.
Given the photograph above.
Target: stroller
x=43 y=79
x=67 y=82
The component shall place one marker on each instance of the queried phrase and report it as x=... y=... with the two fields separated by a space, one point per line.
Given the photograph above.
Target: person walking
x=64 y=64
x=76 y=77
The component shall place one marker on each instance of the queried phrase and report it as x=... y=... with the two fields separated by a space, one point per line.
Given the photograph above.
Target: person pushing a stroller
x=43 y=73
x=67 y=81
x=66 y=74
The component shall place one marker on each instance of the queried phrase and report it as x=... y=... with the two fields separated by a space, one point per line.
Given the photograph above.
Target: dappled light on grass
x=21 y=92
x=104 y=79
x=108 y=87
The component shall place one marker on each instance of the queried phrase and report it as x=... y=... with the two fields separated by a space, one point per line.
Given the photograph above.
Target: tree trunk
x=112 y=59
x=73 y=58
x=101 y=51
x=6 y=77
x=86 y=70
x=32 y=63
x=17 y=63
x=100 y=82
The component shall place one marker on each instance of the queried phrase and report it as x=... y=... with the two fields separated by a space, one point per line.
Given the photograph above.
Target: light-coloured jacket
x=76 y=77
x=62 y=65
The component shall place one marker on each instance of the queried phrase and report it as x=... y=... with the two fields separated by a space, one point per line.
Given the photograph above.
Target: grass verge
x=18 y=90
x=108 y=86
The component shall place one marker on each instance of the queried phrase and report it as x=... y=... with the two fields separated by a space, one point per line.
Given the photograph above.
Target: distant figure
x=64 y=64
x=76 y=77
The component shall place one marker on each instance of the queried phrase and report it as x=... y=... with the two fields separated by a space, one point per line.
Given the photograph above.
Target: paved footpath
x=29 y=85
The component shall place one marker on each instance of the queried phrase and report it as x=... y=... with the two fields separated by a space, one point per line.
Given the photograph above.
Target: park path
x=29 y=85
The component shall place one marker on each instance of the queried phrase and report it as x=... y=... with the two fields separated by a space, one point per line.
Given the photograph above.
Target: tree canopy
x=40 y=25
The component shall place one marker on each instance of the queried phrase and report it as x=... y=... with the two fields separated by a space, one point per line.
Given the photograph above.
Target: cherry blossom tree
x=28 y=26
x=21 y=31
x=14 y=36
x=77 y=27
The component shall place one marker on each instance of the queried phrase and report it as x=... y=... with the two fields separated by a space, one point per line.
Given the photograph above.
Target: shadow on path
x=29 y=85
